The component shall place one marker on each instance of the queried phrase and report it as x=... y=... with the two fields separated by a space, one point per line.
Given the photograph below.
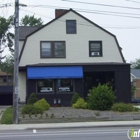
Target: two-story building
x=70 y=54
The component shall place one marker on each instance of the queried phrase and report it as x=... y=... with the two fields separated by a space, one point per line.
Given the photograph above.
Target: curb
x=70 y=125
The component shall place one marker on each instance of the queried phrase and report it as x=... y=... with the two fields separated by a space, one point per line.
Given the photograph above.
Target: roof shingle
x=136 y=72
x=26 y=30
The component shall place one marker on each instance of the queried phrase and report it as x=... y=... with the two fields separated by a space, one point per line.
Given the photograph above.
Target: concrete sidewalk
x=70 y=125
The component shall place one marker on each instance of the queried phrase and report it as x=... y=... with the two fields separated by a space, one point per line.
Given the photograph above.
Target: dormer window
x=71 y=26
x=95 y=48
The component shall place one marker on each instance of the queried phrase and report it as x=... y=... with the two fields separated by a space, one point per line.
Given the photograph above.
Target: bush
x=80 y=103
x=75 y=97
x=32 y=99
x=42 y=104
x=101 y=97
x=122 y=107
x=31 y=109
x=7 y=117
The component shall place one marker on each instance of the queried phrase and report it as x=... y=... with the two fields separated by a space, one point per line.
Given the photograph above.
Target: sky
x=125 y=26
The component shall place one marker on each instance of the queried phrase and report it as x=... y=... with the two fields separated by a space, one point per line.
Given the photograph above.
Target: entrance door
x=88 y=84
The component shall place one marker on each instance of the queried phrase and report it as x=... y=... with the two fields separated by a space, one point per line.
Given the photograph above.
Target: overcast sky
x=126 y=29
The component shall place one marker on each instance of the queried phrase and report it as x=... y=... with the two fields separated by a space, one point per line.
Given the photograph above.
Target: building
x=135 y=79
x=70 y=54
x=5 y=79
x=6 y=88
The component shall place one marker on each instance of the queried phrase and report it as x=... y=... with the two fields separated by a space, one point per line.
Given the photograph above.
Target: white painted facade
x=77 y=45
x=20 y=46
x=22 y=86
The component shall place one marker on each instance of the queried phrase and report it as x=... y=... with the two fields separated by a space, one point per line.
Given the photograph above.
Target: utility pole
x=16 y=61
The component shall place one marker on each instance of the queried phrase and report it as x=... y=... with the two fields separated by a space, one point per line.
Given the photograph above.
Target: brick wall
x=136 y=83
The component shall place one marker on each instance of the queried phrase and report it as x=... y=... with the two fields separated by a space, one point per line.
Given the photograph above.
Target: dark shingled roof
x=136 y=72
x=26 y=30
x=2 y=73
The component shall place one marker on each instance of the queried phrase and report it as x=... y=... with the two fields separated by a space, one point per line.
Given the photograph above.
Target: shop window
x=65 y=85
x=45 y=86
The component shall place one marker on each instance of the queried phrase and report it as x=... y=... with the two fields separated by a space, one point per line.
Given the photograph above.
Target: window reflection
x=65 y=85
x=45 y=86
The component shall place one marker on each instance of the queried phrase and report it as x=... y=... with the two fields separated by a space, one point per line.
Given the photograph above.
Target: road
x=108 y=133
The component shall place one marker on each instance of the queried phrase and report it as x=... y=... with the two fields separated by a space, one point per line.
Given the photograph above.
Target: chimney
x=59 y=12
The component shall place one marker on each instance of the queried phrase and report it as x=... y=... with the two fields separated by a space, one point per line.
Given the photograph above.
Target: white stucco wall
x=20 y=46
x=77 y=45
x=22 y=86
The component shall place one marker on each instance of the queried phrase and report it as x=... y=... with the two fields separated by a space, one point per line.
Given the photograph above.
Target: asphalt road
x=108 y=133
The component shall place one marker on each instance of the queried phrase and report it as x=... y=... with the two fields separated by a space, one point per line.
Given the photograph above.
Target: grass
x=7 y=117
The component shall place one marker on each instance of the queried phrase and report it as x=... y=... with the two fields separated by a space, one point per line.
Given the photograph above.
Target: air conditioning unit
x=95 y=53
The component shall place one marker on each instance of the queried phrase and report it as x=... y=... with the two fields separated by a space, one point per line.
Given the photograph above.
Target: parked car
x=135 y=100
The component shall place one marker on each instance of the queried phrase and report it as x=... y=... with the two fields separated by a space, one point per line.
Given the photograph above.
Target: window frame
x=53 y=92
x=55 y=87
x=65 y=92
x=75 y=27
x=101 y=53
x=52 y=49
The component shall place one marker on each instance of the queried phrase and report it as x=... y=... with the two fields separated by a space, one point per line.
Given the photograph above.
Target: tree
x=31 y=21
x=8 y=66
x=135 y=64
x=133 y=90
x=6 y=37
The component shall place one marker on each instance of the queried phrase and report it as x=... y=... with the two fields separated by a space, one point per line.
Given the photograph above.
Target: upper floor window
x=71 y=26
x=52 y=49
x=95 y=48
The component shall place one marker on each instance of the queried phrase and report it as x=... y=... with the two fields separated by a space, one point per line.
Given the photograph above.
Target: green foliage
x=32 y=99
x=31 y=21
x=52 y=115
x=80 y=103
x=75 y=97
x=133 y=90
x=135 y=64
x=42 y=104
x=6 y=37
x=31 y=109
x=101 y=97
x=122 y=107
x=97 y=113
x=7 y=65
x=47 y=115
x=7 y=117
x=30 y=115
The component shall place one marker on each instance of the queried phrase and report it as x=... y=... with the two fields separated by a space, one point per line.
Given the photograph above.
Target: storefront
x=57 y=84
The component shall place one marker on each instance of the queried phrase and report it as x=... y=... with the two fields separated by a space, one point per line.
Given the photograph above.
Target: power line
x=84 y=10
x=133 y=1
x=79 y=23
x=109 y=14
x=97 y=12
x=121 y=14
x=8 y=7
x=2 y=10
x=134 y=8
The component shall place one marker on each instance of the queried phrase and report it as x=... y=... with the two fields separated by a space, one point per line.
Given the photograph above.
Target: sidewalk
x=70 y=125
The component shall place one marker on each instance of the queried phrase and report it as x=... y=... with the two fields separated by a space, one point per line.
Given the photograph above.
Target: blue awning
x=54 y=72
